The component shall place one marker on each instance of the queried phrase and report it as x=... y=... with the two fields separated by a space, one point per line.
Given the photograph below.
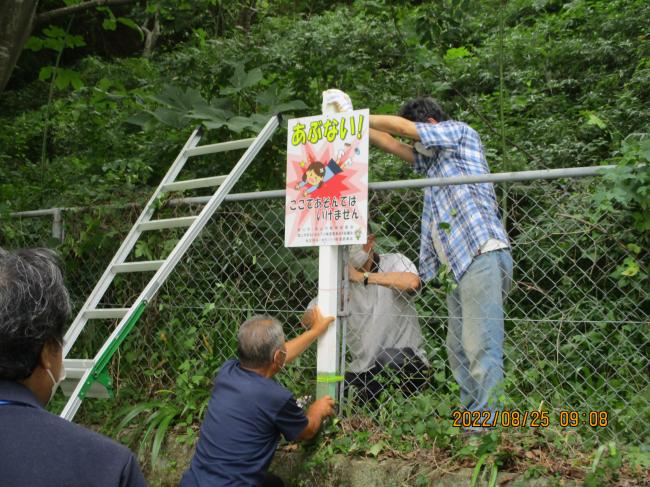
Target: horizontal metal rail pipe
x=502 y=177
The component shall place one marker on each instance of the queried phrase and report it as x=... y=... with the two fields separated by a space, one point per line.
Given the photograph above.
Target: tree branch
x=15 y=26
x=151 y=36
x=46 y=17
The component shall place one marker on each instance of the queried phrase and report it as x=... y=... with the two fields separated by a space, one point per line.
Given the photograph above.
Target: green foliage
x=625 y=191
x=627 y=186
x=576 y=81
x=477 y=471
x=55 y=39
x=182 y=405
x=110 y=21
x=605 y=467
x=554 y=109
x=150 y=431
x=182 y=107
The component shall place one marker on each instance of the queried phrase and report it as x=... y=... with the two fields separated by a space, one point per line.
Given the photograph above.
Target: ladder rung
x=74 y=370
x=194 y=183
x=105 y=313
x=184 y=221
x=151 y=265
x=222 y=147
x=75 y=367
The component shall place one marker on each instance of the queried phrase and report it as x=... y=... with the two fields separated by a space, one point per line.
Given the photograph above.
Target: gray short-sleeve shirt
x=381 y=317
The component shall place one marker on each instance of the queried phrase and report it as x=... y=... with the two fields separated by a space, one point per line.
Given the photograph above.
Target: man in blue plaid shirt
x=461 y=234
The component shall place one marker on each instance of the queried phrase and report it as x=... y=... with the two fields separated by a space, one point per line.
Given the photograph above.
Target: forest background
x=99 y=96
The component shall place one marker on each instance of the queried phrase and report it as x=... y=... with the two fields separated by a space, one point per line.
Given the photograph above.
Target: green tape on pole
x=329 y=378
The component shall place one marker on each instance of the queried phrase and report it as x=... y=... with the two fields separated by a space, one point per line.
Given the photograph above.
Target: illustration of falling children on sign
x=317 y=173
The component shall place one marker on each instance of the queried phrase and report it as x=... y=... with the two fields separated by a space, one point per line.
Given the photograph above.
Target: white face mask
x=55 y=383
x=358 y=256
x=283 y=367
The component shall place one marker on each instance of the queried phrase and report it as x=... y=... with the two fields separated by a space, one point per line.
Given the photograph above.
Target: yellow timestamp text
x=531 y=419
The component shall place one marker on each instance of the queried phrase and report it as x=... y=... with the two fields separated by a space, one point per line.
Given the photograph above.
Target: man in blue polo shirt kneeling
x=249 y=410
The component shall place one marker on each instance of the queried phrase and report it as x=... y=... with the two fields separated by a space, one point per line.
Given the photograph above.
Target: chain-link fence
x=576 y=329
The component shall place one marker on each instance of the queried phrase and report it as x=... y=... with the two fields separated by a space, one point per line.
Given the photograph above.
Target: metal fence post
x=57 y=224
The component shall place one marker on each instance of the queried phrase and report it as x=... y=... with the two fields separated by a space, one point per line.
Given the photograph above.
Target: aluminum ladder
x=90 y=377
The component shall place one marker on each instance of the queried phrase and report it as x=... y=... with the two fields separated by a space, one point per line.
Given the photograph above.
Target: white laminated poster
x=327 y=180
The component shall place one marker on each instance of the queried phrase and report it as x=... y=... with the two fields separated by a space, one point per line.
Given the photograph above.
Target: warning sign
x=327 y=180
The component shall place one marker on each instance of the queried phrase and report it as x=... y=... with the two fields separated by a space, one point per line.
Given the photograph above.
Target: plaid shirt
x=464 y=216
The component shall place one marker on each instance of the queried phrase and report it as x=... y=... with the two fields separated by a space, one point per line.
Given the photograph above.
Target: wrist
x=317 y=331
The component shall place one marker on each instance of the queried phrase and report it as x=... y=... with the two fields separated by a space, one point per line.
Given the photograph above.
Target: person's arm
x=400 y=281
x=390 y=144
x=432 y=135
x=318 y=325
x=394 y=125
x=317 y=412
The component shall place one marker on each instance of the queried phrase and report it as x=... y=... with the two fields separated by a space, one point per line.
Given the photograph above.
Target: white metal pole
x=328 y=343
x=327 y=351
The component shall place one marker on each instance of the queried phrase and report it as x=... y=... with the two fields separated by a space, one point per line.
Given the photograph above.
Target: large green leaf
x=241 y=79
x=209 y=113
x=237 y=124
x=161 y=432
x=289 y=105
x=168 y=117
x=174 y=97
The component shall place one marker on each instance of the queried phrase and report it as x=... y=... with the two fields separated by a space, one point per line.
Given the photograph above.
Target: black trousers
x=400 y=368
x=272 y=480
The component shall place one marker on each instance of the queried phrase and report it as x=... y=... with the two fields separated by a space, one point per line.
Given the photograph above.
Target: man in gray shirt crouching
x=383 y=334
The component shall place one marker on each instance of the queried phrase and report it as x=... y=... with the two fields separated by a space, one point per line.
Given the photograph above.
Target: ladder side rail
x=73 y=404
x=127 y=245
x=209 y=209
x=163 y=272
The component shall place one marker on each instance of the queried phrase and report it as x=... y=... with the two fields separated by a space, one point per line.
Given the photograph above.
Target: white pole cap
x=336 y=101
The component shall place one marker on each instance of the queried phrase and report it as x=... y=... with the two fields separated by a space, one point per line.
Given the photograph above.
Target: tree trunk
x=151 y=36
x=16 y=23
x=15 y=26
x=79 y=7
x=246 y=15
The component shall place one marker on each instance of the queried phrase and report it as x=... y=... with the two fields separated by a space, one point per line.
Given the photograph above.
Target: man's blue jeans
x=475 y=334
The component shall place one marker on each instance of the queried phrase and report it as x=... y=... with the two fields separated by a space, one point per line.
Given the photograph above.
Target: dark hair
x=421 y=109
x=34 y=309
x=258 y=339
x=318 y=168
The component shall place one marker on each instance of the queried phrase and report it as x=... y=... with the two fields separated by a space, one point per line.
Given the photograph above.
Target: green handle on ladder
x=99 y=372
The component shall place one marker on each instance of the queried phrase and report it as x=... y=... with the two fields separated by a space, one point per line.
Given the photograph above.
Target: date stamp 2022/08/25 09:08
x=531 y=419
